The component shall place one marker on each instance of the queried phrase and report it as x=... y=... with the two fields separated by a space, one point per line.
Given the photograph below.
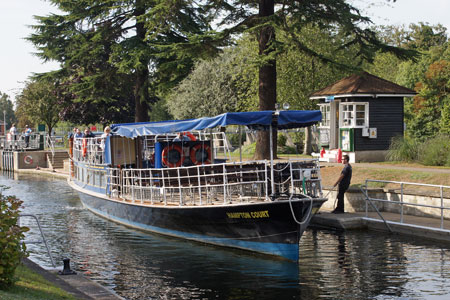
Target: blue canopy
x=257 y=119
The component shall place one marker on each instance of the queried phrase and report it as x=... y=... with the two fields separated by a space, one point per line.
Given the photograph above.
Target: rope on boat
x=309 y=210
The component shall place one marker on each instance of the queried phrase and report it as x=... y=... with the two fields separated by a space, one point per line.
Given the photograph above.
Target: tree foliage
x=12 y=246
x=223 y=84
x=7 y=106
x=113 y=52
x=38 y=102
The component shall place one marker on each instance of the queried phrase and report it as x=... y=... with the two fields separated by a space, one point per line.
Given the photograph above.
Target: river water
x=136 y=265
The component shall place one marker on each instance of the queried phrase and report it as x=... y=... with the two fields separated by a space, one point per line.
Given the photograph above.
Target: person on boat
x=343 y=182
x=182 y=137
x=27 y=134
x=106 y=132
x=78 y=133
x=88 y=133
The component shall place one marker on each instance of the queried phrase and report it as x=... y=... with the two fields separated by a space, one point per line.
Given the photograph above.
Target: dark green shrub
x=281 y=139
x=234 y=138
x=12 y=247
x=435 y=151
x=403 y=149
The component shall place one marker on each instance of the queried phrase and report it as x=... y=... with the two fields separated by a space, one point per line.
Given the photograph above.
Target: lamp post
x=4 y=122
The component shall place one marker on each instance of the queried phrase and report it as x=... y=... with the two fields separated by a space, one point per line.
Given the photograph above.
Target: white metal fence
x=216 y=183
x=438 y=204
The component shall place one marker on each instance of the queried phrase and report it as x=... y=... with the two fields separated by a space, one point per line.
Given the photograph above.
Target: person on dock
x=13 y=132
x=27 y=134
x=343 y=182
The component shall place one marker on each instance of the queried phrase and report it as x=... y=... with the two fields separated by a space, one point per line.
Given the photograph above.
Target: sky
x=17 y=61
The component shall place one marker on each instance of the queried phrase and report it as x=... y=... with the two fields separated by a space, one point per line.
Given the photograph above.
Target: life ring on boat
x=190 y=135
x=171 y=152
x=200 y=154
x=84 y=147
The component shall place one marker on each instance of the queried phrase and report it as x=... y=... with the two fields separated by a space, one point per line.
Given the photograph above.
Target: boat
x=143 y=176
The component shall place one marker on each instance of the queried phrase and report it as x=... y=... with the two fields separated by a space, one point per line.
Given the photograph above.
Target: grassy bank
x=31 y=286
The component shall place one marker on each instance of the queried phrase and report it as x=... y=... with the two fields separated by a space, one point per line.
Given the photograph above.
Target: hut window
x=325 y=110
x=354 y=115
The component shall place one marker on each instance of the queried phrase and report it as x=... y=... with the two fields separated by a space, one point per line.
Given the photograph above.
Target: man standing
x=27 y=135
x=344 y=183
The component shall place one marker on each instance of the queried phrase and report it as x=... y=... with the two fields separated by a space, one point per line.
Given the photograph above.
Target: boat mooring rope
x=309 y=211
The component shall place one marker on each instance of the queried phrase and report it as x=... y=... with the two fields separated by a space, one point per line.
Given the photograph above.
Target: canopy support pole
x=240 y=143
x=271 y=160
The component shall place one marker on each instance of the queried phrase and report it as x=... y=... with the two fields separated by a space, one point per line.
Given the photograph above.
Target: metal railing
x=216 y=183
x=44 y=241
x=19 y=141
x=89 y=150
x=403 y=205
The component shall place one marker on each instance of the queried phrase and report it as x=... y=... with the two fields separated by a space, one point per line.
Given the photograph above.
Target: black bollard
x=66 y=269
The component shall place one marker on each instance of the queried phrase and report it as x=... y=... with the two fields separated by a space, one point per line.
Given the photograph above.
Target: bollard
x=66 y=269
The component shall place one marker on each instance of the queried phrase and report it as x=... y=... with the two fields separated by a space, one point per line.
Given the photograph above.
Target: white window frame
x=326 y=115
x=352 y=115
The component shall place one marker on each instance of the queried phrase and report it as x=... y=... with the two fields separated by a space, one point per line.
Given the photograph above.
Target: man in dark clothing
x=88 y=133
x=344 y=183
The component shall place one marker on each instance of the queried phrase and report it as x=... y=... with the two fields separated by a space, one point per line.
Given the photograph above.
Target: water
x=136 y=265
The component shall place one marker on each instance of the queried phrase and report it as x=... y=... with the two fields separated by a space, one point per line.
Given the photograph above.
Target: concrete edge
x=77 y=285
x=56 y=280
x=45 y=172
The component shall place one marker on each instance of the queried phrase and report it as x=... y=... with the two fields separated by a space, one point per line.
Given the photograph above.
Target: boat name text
x=248 y=215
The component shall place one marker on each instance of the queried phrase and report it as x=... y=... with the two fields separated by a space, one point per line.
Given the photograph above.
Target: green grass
x=31 y=286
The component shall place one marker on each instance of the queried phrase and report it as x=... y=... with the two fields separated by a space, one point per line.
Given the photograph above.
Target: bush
x=281 y=139
x=403 y=149
x=12 y=247
x=435 y=151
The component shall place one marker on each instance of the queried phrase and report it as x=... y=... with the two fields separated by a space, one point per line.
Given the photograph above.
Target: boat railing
x=89 y=150
x=211 y=184
x=298 y=177
x=222 y=146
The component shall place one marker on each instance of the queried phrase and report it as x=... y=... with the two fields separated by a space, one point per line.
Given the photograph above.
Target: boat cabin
x=360 y=116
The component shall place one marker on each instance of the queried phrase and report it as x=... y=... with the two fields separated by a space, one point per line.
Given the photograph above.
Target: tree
x=7 y=106
x=431 y=104
x=290 y=17
x=38 y=102
x=96 y=40
x=223 y=84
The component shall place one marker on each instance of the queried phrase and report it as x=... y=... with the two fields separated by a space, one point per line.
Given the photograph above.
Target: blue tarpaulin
x=286 y=119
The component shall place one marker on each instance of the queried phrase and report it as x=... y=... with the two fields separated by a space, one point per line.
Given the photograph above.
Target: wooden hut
x=360 y=115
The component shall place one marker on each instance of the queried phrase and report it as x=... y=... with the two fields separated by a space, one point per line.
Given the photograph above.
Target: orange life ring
x=200 y=148
x=84 y=147
x=190 y=135
x=166 y=154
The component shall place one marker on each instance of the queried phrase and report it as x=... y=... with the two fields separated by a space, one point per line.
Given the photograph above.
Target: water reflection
x=333 y=265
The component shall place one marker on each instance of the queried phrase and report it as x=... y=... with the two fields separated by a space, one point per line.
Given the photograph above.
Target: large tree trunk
x=267 y=81
x=308 y=141
x=141 y=96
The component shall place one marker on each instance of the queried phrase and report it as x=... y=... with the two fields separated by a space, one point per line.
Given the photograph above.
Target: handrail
x=42 y=234
x=402 y=203
x=193 y=184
